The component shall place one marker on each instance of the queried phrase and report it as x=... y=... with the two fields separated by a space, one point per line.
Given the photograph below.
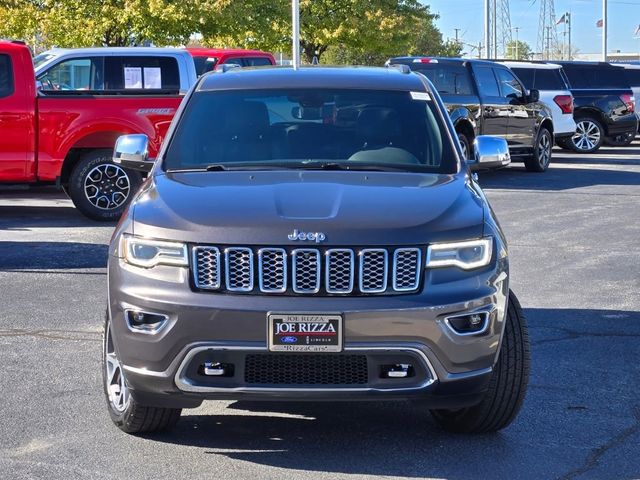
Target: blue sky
x=624 y=18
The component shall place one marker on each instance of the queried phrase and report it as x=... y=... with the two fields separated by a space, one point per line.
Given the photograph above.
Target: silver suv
x=312 y=234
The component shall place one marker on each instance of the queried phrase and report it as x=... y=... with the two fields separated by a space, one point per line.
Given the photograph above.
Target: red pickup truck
x=66 y=137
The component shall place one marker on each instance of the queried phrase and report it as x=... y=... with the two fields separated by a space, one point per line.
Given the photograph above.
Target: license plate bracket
x=304 y=332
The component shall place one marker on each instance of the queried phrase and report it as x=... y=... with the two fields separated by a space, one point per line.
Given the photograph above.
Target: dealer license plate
x=304 y=332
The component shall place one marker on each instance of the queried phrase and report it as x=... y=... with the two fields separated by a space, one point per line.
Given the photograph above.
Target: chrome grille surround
x=406 y=269
x=207 y=275
x=238 y=269
x=373 y=270
x=306 y=270
x=339 y=270
x=272 y=270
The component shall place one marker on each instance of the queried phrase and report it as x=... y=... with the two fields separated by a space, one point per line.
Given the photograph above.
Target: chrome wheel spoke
x=116 y=386
x=107 y=186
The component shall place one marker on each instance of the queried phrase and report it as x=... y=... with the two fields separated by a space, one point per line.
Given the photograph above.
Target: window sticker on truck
x=152 y=77
x=132 y=77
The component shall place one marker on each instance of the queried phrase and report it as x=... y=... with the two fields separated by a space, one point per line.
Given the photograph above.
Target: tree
x=518 y=50
x=78 y=23
x=356 y=31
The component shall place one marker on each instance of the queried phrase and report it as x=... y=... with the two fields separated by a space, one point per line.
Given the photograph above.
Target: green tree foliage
x=348 y=31
x=518 y=50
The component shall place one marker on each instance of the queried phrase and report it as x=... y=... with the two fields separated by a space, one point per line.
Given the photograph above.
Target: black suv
x=485 y=98
x=603 y=105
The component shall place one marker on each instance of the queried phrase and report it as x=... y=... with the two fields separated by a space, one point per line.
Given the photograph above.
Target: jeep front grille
x=307 y=271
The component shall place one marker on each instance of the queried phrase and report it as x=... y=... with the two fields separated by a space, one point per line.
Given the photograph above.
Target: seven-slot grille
x=307 y=271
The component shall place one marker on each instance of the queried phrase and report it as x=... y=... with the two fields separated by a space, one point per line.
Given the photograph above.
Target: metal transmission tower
x=497 y=27
x=504 y=26
x=548 y=47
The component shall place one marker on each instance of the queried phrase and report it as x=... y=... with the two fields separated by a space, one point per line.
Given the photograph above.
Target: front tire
x=125 y=412
x=539 y=161
x=100 y=189
x=507 y=387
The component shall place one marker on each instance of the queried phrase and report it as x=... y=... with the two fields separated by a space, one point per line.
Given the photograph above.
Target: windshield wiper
x=216 y=167
x=351 y=166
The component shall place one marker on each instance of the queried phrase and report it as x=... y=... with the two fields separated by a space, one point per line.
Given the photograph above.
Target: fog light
x=470 y=324
x=399 y=370
x=145 y=322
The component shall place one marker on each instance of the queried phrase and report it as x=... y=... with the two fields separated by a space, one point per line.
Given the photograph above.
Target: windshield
x=43 y=57
x=305 y=128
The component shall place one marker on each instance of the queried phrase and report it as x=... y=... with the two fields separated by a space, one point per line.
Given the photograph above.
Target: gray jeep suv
x=312 y=234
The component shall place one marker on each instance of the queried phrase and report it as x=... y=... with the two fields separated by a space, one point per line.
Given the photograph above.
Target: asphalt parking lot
x=575 y=257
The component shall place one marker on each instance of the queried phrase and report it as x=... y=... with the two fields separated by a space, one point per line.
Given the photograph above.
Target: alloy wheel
x=465 y=152
x=117 y=390
x=544 y=150
x=107 y=186
x=587 y=135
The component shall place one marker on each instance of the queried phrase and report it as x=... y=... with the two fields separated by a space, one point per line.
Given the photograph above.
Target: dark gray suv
x=312 y=234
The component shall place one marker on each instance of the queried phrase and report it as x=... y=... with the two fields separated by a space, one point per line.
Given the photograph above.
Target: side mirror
x=534 y=96
x=132 y=151
x=489 y=152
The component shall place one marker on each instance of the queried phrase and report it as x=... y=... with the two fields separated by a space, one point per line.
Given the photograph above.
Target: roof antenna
x=295 y=37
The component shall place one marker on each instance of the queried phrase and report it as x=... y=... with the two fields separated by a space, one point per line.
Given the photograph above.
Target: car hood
x=349 y=208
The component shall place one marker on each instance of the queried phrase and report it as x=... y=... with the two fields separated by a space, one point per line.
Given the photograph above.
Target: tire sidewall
x=76 y=191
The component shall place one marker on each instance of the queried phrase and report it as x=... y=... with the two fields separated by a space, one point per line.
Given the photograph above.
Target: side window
x=487 y=85
x=74 y=74
x=204 y=64
x=527 y=76
x=234 y=61
x=509 y=84
x=6 y=76
x=141 y=73
x=256 y=61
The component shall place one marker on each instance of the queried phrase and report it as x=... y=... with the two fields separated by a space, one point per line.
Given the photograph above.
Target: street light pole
x=295 y=36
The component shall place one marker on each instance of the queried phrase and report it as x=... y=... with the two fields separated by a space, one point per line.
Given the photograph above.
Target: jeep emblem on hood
x=311 y=236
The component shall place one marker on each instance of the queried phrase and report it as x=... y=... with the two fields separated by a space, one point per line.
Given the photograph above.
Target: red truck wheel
x=100 y=189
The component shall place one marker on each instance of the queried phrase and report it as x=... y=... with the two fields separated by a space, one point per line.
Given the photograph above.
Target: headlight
x=466 y=255
x=147 y=253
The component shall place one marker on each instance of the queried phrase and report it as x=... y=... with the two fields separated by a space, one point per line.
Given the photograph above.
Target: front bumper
x=450 y=370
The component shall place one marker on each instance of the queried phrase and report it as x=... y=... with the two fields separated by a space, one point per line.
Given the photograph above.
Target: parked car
x=271 y=258
x=486 y=98
x=549 y=80
x=603 y=104
x=632 y=73
x=64 y=132
x=207 y=59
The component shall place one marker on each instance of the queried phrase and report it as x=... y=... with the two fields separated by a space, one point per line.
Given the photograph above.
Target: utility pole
x=457 y=30
x=495 y=29
x=517 y=45
x=295 y=36
x=487 y=27
x=604 y=30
